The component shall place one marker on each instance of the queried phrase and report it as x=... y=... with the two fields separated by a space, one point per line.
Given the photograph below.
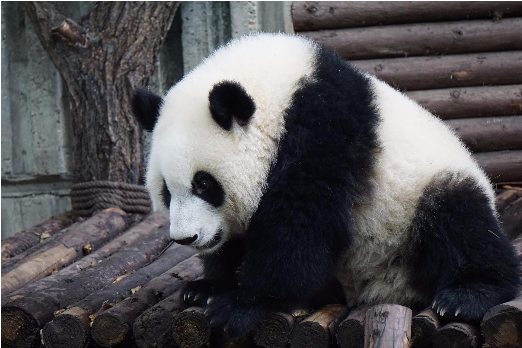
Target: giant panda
x=287 y=169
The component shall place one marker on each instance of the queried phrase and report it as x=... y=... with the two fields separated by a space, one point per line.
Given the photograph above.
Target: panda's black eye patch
x=206 y=187
x=165 y=194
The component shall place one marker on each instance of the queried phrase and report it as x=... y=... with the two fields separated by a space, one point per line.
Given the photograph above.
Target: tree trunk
x=102 y=59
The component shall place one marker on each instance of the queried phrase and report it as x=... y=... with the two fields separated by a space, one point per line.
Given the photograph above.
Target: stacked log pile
x=121 y=287
x=460 y=60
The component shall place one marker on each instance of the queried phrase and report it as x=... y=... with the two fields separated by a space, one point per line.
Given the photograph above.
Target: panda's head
x=215 y=135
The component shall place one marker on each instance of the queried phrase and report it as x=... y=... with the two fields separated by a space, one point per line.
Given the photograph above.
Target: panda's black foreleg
x=459 y=255
x=221 y=273
x=288 y=259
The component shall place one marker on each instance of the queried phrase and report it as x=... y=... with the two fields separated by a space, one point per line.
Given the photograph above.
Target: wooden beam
x=91 y=234
x=501 y=166
x=24 y=240
x=471 y=101
x=422 y=39
x=489 y=133
x=320 y=15
x=388 y=326
x=417 y=73
x=114 y=326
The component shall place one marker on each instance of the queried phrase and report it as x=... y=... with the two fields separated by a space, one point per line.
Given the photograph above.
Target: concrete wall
x=37 y=137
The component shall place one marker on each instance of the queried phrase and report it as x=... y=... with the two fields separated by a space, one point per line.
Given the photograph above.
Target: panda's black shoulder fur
x=323 y=167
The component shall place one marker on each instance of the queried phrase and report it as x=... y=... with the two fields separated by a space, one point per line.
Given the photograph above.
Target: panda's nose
x=187 y=241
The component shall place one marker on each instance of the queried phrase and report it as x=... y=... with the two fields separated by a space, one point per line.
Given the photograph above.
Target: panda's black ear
x=228 y=100
x=146 y=106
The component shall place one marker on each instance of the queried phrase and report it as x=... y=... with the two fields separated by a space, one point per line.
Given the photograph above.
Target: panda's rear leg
x=459 y=256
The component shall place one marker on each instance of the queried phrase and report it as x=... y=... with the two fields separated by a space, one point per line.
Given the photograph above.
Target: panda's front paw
x=197 y=292
x=235 y=317
x=462 y=304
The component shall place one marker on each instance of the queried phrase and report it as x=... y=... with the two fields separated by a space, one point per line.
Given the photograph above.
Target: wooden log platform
x=320 y=15
x=471 y=101
x=27 y=314
x=457 y=335
x=109 y=296
x=139 y=232
x=350 y=333
x=388 y=326
x=435 y=72
x=502 y=325
x=89 y=235
x=422 y=39
x=24 y=240
x=114 y=326
x=318 y=330
x=482 y=134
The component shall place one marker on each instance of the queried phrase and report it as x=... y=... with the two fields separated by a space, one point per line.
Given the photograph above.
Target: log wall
x=460 y=60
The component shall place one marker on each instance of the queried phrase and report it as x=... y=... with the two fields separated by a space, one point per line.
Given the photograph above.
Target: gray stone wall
x=37 y=136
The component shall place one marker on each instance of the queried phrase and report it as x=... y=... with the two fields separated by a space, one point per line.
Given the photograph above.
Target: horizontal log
x=318 y=15
x=351 y=330
x=489 y=133
x=457 y=335
x=10 y=263
x=191 y=329
x=152 y=328
x=73 y=318
x=318 y=330
x=27 y=314
x=502 y=325
x=114 y=325
x=140 y=232
x=388 y=326
x=24 y=240
x=418 y=73
x=471 y=101
x=91 y=234
x=424 y=327
x=423 y=39
x=501 y=166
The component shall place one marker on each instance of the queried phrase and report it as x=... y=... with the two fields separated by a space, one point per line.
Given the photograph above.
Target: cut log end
x=108 y=330
x=152 y=328
x=502 y=325
x=457 y=335
x=191 y=329
x=67 y=330
x=274 y=331
x=351 y=330
x=424 y=326
x=309 y=334
x=19 y=328
x=317 y=330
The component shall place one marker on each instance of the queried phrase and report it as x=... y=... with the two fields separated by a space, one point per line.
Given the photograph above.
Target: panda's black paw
x=236 y=318
x=197 y=292
x=462 y=304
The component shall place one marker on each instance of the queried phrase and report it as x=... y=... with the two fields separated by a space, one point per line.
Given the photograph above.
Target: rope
x=90 y=197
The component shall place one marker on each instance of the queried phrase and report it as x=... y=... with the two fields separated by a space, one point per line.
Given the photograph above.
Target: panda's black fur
x=458 y=255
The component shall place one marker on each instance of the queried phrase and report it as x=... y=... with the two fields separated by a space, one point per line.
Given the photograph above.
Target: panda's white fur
x=415 y=149
x=415 y=144
x=186 y=139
